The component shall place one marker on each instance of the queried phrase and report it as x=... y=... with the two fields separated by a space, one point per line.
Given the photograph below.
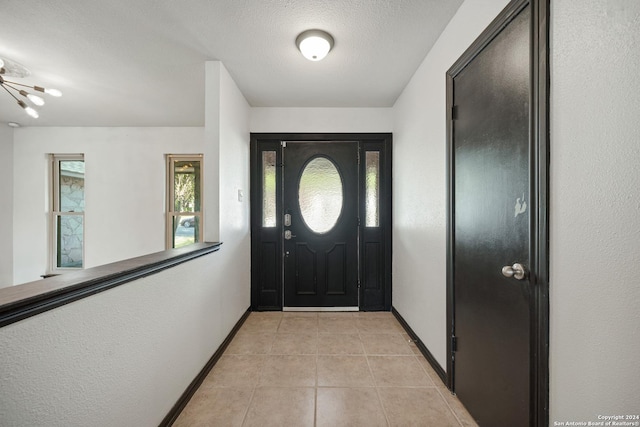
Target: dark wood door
x=491 y=227
x=320 y=207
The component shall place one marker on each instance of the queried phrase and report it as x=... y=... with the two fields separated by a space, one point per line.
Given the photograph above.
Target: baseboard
x=423 y=349
x=197 y=381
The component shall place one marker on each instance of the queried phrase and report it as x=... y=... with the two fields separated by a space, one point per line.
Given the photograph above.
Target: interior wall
x=6 y=213
x=595 y=209
x=321 y=120
x=125 y=190
x=122 y=357
x=419 y=180
x=235 y=232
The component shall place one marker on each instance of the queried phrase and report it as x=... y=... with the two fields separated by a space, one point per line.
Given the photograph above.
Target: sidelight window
x=184 y=200
x=67 y=213
x=372 y=189
x=268 y=188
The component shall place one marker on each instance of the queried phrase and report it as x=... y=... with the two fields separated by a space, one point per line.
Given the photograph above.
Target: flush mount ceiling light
x=314 y=44
x=9 y=68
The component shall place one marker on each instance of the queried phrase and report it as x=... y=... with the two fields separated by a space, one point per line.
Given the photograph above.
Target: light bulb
x=49 y=91
x=36 y=100
x=53 y=92
x=33 y=98
x=33 y=113
x=30 y=111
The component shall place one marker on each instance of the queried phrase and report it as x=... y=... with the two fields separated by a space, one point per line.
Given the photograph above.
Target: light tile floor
x=323 y=369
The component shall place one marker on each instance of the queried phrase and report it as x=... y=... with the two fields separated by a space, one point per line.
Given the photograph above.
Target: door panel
x=491 y=228
x=321 y=195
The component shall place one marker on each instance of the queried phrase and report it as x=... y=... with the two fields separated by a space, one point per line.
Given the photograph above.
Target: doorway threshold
x=320 y=309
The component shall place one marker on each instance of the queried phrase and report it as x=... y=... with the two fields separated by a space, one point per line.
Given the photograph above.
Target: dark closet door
x=321 y=224
x=491 y=228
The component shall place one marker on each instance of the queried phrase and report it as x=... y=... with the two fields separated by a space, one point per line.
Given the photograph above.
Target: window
x=67 y=213
x=269 y=189
x=372 y=189
x=184 y=200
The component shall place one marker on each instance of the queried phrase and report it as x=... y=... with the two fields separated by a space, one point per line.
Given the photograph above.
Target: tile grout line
x=255 y=385
x=375 y=385
x=450 y=408
x=446 y=402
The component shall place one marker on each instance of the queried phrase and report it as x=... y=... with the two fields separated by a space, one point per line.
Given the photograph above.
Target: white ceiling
x=141 y=62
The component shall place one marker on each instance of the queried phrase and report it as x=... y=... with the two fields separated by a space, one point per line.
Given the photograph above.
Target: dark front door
x=320 y=224
x=321 y=221
x=492 y=204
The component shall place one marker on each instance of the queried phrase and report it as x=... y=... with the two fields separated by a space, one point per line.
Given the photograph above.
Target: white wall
x=122 y=357
x=125 y=190
x=419 y=180
x=320 y=120
x=595 y=209
x=235 y=230
x=6 y=213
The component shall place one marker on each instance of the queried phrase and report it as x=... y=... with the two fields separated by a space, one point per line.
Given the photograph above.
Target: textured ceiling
x=141 y=62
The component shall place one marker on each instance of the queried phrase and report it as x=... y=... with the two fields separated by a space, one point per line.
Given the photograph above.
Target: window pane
x=320 y=195
x=268 y=188
x=186 y=186
x=71 y=186
x=185 y=230
x=70 y=239
x=372 y=195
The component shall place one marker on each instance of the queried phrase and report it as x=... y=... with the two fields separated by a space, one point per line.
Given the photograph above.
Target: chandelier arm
x=6 y=83
x=19 y=84
x=9 y=92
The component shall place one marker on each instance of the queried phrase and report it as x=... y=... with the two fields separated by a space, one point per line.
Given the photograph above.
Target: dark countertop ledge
x=52 y=287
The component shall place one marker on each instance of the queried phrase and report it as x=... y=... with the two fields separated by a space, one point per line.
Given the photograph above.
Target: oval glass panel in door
x=320 y=195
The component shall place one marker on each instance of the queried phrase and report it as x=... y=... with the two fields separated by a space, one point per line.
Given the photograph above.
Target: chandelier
x=10 y=68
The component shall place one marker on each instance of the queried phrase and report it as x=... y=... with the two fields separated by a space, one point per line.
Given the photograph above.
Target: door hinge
x=283 y=144
x=454 y=343
x=454 y=112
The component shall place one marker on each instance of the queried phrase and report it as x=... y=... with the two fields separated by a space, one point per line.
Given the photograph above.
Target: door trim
x=375 y=243
x=539 y=175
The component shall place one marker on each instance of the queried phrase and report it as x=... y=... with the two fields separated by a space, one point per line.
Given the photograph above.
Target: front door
x=321 y=221
x=321 y=224
x=493 y=233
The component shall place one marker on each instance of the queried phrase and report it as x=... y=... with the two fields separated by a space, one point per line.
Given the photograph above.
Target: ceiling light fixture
x=314 y=44
x=13 y=69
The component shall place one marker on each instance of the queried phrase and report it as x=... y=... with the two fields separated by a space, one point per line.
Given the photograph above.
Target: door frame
x=539 y=190
x=374 y=265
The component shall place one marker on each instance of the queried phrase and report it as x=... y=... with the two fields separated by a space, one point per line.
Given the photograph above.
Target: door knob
x=288 y=235
x=516 y=270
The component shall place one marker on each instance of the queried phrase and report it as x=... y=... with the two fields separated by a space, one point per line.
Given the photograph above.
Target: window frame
x=55 y=212
x=170 y=160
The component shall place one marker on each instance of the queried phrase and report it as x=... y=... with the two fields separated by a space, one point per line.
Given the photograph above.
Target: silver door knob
x=288 y=235
x=516 y=271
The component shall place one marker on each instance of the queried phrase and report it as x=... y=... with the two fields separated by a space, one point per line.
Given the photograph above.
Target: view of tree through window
x=184 y=220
